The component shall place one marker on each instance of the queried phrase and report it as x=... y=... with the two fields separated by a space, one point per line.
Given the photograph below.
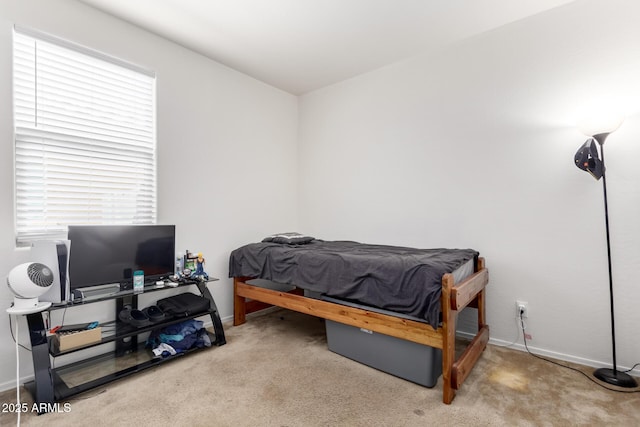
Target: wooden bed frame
x=469 y=292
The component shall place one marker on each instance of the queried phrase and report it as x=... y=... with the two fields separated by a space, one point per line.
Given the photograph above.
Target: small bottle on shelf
x=178 y=266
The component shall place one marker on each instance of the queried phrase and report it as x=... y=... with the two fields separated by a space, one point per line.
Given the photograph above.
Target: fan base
x=27 y=306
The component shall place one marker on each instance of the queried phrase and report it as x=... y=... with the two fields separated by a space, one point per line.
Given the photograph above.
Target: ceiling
x=302 y=45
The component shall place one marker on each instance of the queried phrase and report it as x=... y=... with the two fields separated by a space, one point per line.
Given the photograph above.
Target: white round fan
x=28 y=281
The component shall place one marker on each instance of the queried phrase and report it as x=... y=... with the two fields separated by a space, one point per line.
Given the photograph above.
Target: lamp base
x=617 y=378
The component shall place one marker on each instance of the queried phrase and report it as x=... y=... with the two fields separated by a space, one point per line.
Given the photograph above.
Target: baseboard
x=557 y=356
x=9 y=385
x=225 y=319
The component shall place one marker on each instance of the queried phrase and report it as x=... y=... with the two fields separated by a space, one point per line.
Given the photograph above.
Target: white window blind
x=85 y=148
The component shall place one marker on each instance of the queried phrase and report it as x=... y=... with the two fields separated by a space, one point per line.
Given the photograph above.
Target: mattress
x=402 y=280
x=459 y=274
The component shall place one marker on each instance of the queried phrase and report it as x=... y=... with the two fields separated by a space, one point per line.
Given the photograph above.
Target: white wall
x=473 y=147
x=219 y=133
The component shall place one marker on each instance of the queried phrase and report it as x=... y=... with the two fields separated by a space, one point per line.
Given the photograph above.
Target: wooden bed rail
x=398 y=327
x=455 y=297
x=466 y=291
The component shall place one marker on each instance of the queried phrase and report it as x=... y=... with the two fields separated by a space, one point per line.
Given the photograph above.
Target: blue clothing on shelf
x=180 y=337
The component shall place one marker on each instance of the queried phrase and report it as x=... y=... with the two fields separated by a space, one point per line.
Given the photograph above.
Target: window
x=85 y=147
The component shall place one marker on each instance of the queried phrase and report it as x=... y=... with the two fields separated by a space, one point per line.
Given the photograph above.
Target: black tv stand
x=56 y=384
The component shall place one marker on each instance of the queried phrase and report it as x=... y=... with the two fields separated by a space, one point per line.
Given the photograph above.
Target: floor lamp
x=587 y=159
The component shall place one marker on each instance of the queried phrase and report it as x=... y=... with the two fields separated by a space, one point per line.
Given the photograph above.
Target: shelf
x=88 y=374
x=55 y=384
x=129 y=292
x=124 y=331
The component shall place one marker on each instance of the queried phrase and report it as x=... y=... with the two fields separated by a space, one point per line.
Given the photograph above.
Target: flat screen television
x=109 y=254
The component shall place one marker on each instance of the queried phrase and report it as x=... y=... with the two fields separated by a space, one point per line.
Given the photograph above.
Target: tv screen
x=108 y=254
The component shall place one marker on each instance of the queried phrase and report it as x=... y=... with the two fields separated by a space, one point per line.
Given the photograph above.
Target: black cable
x=64 y=313
x=14 y=338
x=632 y=368
x=524 y=338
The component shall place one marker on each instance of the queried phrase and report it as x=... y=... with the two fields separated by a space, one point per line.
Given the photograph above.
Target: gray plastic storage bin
x=415 y=362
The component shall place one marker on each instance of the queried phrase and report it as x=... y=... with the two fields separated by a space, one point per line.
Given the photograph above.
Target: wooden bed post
x=482 y=313
x=459 y=298
x=449 y=317
x=239 y=304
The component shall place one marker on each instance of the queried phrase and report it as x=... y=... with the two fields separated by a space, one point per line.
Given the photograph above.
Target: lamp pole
x=611 y=376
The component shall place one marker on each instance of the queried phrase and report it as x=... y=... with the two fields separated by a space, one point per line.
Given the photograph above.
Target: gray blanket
x=399 y=279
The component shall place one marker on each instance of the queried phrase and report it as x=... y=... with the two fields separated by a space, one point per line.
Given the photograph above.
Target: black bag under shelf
x=183 y=305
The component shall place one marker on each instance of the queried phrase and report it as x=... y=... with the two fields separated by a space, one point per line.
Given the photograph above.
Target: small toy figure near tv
x=194 y=267
x=104 y=255
x=200 y=273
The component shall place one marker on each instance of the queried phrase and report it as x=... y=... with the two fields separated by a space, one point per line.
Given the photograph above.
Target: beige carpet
x=276 y=370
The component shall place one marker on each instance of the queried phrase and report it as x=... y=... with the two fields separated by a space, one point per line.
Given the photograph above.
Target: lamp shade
x=602 y=123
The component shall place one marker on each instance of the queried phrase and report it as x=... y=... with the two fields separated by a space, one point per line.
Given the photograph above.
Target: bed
x=407 y=282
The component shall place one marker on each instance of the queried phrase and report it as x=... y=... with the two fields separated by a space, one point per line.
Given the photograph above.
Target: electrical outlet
x=522 y=308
